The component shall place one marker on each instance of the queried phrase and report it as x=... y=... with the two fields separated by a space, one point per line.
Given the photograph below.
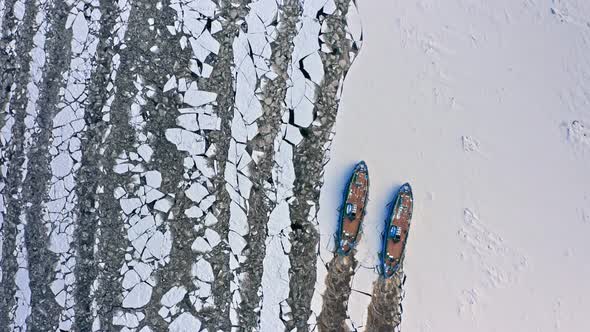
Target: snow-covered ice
x=478 y=105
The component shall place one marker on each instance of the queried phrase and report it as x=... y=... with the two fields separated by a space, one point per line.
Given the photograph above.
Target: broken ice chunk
x=139 y=243
x=202 y=164
x=183 y=43
x=204 y=45
x=329 y=7
x=57 y=286
x=207 y=202
x=173 y=296
x=216 y=27
x=244 y=161
x=231 y=173
x=130 y=279
x=210 y=219
x=186 y=140
x=153 y=195
x=293 y=135
x=236 y=242
x=196 y=192
x=164 y=312
x=138 y=296
x=164 y=205
x=205 y=7
x=312 y=64
x=304 y=113
x=209 y=122
x=141 y=227
x=19 y=12
x=194 y=212
x=188 y=122
x=127 y=319
x=128 y=205
x=185 y=323
x=59 y=242
x=159 y=245
x=188 y=162
x=279 y=219
x=80 y=28
x=194 y=66
x=145 y=151
x=182 y=83
x=211 y=151
x=66 y=115
x=56 y=205
x=194 y=97
x=143 y=269
x=153 y=179
x=204 y=288
x=212 y=237
x=202 y=270
x=139 y=168
x=201 y=245
x=245 y=185
x=238 y=221
x=62 y=165
x=252 y=130
x=238 y=128
x=233 y=262
x=170 y=84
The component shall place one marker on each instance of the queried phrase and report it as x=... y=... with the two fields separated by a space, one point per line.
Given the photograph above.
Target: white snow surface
x=479 y=105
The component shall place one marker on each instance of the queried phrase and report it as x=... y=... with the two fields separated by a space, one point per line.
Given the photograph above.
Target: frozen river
x=177 y=165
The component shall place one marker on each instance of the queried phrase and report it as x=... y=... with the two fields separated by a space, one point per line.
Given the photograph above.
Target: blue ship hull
x=346 y=242
x=388 y=265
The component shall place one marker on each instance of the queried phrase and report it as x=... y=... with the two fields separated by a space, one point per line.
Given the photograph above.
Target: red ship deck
x=351 y=223
x=401 y=218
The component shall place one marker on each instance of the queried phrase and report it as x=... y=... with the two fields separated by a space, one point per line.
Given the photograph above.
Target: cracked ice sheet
x=276 y=265
x=2 y=212
x=251 y=53
x=276 y=259
x=365 y=275
x=194 y=122
x=18 y=11
x=68 y=124
x=118 y=33
x=300 y=98
x=185 y=323
x=35 y=72
x=301 y=95
x=2 y=10
x=148 y=234
x=22 y=308
x=5 y=139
